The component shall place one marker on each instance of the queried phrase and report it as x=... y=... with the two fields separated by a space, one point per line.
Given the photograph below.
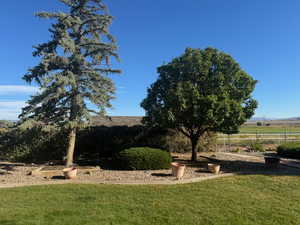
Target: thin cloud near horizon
x=12 y=100
x=17 y=89
x=14 y=97
x=9 y=110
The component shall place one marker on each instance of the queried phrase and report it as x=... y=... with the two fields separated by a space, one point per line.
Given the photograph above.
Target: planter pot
x=178 y=170
x=70 y=173
x=214 y=168
x=272 y=162
x=174 y=166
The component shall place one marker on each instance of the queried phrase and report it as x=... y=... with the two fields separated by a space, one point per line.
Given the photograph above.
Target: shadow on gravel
x=199 y=164
x=161 y=174
x=9 y=166
x=58 y=178
x=248 y=167
x=242 y=167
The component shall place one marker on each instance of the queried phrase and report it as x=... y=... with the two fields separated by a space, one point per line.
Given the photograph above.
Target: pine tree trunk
x=194 y=142
x=71 y=147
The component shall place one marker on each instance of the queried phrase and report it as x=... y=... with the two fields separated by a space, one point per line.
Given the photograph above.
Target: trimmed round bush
x=143 y=158
x=289 y=150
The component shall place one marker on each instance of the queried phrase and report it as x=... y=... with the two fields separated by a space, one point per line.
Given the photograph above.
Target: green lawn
x=239 y=200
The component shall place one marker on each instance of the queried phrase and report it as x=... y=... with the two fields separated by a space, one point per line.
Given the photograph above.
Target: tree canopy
x=72 y=73
x=200 y=91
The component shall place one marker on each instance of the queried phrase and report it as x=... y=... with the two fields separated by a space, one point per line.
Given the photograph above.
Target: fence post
x=229 y=144
x=256 y=136
x=285 y=135
x=224 y=144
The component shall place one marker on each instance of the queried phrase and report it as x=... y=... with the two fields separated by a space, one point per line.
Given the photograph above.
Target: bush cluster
x=143 y=158
x=289 y=150
x=35 y=144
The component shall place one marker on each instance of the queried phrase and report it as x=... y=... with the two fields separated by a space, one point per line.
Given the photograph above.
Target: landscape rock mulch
x=18 y=174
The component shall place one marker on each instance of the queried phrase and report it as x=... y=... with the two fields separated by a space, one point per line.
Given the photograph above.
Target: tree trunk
x=71 y=147
x=194 y=142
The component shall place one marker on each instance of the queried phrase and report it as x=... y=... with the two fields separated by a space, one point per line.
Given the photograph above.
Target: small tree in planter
x=200 y=91
x=73 y=69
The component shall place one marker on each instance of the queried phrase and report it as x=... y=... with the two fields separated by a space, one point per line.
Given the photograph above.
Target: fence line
x=225 y=142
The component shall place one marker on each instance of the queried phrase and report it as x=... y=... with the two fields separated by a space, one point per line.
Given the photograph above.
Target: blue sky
x=263 y=36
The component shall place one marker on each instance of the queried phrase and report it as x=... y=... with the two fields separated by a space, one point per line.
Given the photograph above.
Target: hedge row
x=39 y=143
x=289 y=150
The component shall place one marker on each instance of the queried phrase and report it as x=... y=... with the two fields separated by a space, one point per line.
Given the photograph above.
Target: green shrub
x=256 y=147
x=289 y=150
x=143 y=158
x=35 y=144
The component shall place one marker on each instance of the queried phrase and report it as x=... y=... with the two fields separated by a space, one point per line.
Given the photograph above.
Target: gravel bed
x=20 y=175
x=11 y=174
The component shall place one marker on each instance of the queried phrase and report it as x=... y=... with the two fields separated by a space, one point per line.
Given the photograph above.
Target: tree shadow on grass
x=8 y=222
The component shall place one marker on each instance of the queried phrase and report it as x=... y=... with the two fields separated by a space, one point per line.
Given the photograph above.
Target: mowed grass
x=264 y=129
x=240 y=200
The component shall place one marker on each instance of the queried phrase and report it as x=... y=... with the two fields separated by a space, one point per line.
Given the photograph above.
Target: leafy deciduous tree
x=200 y=91
x=73 y=69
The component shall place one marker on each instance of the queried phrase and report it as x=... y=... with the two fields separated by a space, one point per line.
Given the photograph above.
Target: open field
x=263 y=134
x=239 y=200
x=270 y=129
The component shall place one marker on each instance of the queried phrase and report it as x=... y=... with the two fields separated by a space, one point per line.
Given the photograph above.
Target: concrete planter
x=178 y=170
x=214 y=168
x=70 y=173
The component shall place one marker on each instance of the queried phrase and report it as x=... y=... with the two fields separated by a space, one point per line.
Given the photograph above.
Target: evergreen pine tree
x=73 y=69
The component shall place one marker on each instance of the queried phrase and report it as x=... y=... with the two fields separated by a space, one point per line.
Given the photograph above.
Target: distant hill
x=136 y=120
x=292 y=119
x=274 y=119
x=6 y=123
x=275 y=122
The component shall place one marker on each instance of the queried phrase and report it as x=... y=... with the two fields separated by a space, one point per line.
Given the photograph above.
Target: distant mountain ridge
x=274 y=119
x=137 y=120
